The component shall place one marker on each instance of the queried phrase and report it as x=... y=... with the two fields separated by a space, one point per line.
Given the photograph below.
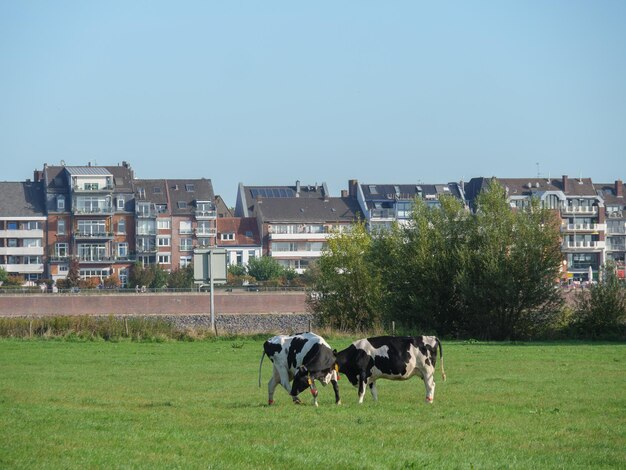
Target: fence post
x=393 y=328
x=30 y=329
x=126 y=326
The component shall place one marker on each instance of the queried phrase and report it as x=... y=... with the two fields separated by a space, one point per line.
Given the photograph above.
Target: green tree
x=140 y=276
x=264 y=268
x=509 y=268
x=181 y=278
x=159 y=276
x=600 y=310
x=347 y=291
x=3 y=274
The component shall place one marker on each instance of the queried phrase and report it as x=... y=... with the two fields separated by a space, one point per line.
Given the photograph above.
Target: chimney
x=565 y=184
x=325 y=191
x=619 y=188
x=344 y=193
x=352 y=188
x=297 y=188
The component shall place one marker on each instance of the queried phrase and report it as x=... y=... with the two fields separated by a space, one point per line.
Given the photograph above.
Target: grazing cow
x=304 y=357
x=391 y=357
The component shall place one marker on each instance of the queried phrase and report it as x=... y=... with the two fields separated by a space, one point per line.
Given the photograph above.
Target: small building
x=240 y=237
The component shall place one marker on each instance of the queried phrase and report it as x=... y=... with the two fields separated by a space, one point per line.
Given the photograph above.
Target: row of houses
x=108 y=219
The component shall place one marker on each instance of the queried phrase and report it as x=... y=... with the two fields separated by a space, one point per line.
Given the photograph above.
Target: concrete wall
x=152 y=304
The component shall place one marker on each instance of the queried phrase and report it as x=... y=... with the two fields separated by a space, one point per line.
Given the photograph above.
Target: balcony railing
x=37 y=233
x=382 y=214
x=583 y=245
x=583 y=227
x=204 y=232
x=107 y=259
x=21 y=250
x=93 y=236
x=150 y=214
x=22 y=268
x=616 y=246
x=299 y=236
x=205 y=214
x=579 y=210
x=81 y=189
x=185 y=248
x=92 y=210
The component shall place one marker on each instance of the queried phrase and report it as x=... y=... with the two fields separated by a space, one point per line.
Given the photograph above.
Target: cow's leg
x=362 y=381
x=429 y=382
x=313 y=391
x=374 y=391
x=271 y=386
x=333 y=380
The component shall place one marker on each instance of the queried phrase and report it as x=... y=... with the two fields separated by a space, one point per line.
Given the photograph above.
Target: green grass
x=197 y=405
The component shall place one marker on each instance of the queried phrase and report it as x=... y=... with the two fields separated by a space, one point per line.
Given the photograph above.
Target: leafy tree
x=159 y=276
x=264 y=268
x=347 y=292
x=181 y=278
x=73 y=274
x=237 y=270
x=600 y=310
x=510 y=264
x=140 y=276
x=3 y=274
x=112 y=281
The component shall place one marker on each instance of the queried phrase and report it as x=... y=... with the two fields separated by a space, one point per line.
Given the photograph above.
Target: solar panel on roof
x=272 y=192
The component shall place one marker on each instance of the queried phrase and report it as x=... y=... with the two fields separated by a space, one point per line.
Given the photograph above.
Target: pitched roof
x=308 y=210
x=249 y=195
x=245 y=230
x=391 y=192
x=22 y=199
x=529 y=186
x=180 y=195
x=608 y=191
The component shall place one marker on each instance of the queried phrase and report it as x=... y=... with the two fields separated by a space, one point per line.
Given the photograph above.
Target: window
x=239 y=257
x=61 y=227
x=227 y=236
x=91 y=252
x=32 y=242
x=203 y=243
x=91 y=227
x=33 y=225
x=12 y=226
x=144 y=209
x=90 y=186
x=163 y=224
x=182 y=205
x=122 y=250
x=164 y=259
x=156 y=190
x=123 y=275
x=185 y=227
x=161 y=208
x=60 y=203
x=146 y=227
x=60 y=250
x=186 y=244
x=120 y=203
x=204 y=227
x=190 y=188
x=251 y=254
x=12 y=242
x=63 y=268
x=185 y=261
x=121 y=226
x=164 y=241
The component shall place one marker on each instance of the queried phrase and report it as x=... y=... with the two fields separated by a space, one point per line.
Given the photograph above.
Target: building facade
x=22 y=230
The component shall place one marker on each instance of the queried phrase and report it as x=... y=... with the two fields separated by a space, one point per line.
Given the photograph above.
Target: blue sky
x=274 y=92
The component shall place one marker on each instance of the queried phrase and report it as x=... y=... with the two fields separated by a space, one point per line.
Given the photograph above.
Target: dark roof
x=608 y=191
x=308 y=210
x=179 y=195
x=391 y=192
x=221 y=207
x=530 y=186
x=56 y=176
x=245 y=230
x=249 y=195
x=22 y=199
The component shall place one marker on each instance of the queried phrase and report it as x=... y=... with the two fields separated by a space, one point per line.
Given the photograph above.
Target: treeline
x=488 y=274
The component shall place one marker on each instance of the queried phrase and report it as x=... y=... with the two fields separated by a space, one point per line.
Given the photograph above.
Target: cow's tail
x=443 y=374
x=261 y=365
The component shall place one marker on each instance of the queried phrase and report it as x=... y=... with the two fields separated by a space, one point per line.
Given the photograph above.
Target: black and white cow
x=304 y=357
x=391 y=357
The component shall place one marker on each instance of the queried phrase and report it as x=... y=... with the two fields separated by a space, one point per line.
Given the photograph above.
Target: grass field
x=198 y=405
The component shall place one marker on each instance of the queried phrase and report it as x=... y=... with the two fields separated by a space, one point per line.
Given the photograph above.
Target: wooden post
x=393 y=328
x=30 y=329
x=126 y=326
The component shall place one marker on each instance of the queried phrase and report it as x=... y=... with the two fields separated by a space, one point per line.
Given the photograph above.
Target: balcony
x=21 y=233
x=104 y=189
x=295 y=254
x=93 y=235
x=205 y=214
x=579 y=210
x=616 y=247
x=185 y=248
x=107 y=259
x=23 y=268
x=211 y=232
x=583 y=246
x=146 y=214
x=382 y=214
x=59 y=259
x=147 y=249
x=22 y=251
x=583 y=227
x=92 y=211
x=320 y=237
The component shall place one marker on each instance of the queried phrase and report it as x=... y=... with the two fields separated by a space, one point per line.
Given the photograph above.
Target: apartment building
x=295 y=221
x=615 y=209
x=580 y=208
x=22 y=229
x=90 y=211
x=173 y=217
x=385 y=204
